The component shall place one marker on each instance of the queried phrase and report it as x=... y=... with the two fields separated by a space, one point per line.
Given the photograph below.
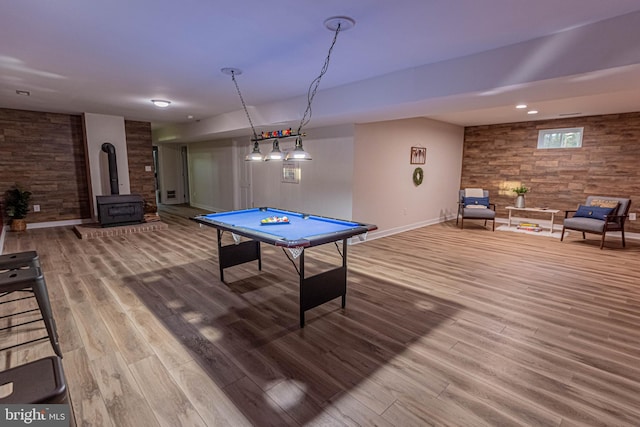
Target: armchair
x=599 y=215
x=473 y=203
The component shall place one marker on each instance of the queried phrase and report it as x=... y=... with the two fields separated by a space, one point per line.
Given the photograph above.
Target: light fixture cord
x=233 y=77
x=313 y=87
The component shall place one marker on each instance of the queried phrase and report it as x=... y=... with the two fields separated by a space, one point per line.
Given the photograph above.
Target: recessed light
x=190 y=117
x=23 y=92
x=521 y=106
x=161 y=103
x=532 y=112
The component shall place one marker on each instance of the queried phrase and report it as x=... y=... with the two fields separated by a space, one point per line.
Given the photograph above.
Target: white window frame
x=563 y=134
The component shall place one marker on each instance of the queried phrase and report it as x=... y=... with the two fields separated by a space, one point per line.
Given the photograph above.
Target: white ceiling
x=406 y=58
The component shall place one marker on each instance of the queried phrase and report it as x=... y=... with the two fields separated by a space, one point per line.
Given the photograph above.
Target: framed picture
x=418 y=155
x=291 y=172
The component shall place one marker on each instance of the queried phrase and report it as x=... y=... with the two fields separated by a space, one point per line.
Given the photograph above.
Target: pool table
x=300 y=231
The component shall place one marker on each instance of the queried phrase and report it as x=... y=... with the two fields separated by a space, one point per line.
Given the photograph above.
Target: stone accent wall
x=45 y=153
x=499 y=157
x=140 y=154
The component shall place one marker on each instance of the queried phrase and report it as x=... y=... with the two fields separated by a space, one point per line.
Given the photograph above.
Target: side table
x=553 y=213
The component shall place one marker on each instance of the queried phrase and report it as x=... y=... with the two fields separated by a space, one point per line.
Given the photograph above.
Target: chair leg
x=583 y=236
x=602 y=241
x=462 y=223
x=494 y=225
x=562 y=235
x=40 y=291
x=623 y=243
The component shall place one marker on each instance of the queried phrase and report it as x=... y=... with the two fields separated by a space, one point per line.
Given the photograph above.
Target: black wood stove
x=118 y=209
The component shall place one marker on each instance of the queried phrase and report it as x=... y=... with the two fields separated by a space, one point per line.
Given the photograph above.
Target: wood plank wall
x=499 y=157
x=45 y=153
x=140 y=154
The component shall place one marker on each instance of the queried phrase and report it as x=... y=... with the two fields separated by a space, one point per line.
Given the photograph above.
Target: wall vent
x=171 y=194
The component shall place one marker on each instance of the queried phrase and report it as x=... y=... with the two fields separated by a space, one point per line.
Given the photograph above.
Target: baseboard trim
x=64 y=223
x=390 y=232
x=353 y=241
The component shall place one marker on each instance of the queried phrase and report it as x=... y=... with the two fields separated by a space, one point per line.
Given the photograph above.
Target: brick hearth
x=91 y=231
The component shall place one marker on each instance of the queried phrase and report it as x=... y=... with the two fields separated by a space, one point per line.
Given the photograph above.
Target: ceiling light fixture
x=255 y=155
x=160 y=103
x=521 y=106
x=275 y=153
x=298 y=152
x=23 y=92
x=532 y=112
x=335 y=24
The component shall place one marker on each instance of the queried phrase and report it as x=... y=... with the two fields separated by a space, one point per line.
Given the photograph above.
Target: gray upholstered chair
x=598 y=215
x=476 y=210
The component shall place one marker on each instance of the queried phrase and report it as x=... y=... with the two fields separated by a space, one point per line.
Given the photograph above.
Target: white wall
x=383 y=190
x=170 y=173
x=212 y=175
x=325 y=182
x=361 y=173
x=99 y=129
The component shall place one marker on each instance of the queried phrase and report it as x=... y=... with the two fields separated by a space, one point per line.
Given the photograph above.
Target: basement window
x=560 y=138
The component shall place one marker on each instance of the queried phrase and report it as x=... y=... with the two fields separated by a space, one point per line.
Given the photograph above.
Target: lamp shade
x=298 y=152
x=255 y=155
x=275 y=154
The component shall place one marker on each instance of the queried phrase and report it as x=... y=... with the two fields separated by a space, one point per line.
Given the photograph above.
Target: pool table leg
x=302 y=294
x=219 y=254
x=237 y=254
x=344 y=268
x=323 y=287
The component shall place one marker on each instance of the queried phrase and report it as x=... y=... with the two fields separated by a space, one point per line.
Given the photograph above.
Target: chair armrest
x=566 y=213
x=614 y=222
x=615 y=218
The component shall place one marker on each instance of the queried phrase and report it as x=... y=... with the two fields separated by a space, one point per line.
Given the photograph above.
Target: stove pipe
x=108 y=148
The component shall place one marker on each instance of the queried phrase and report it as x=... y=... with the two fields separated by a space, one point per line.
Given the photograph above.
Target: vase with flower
x=520 y=191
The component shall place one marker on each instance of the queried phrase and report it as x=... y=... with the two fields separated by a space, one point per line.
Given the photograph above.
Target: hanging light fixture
x=298 y=152
x=275 y=153
x=255 y=155
x=335 y=24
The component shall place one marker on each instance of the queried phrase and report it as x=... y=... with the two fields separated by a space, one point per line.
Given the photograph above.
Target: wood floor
x=442 y=327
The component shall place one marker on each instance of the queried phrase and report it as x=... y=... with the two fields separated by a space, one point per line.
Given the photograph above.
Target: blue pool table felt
x=300 y=226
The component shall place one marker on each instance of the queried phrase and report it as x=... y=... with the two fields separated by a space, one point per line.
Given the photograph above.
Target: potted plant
x=17 y=207
x=520 y=191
